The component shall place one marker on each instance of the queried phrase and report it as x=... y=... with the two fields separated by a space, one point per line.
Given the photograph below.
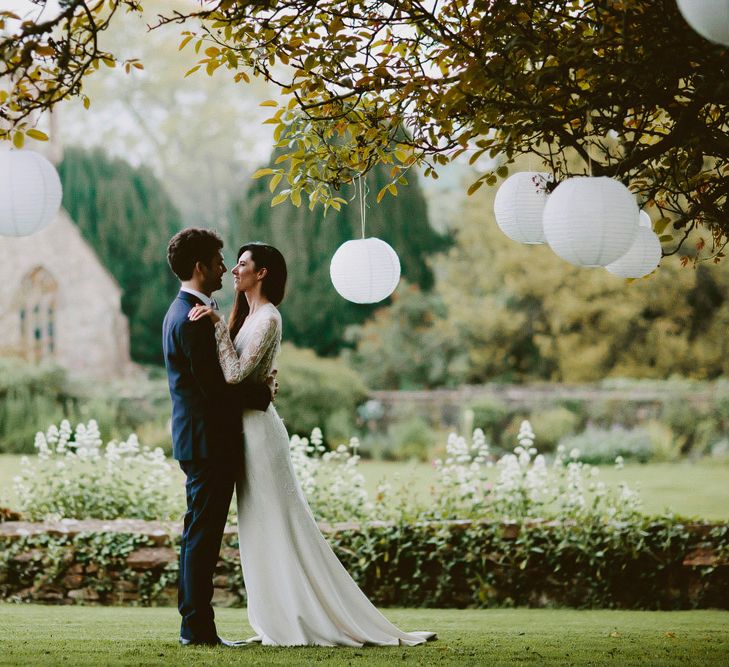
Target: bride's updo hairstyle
x=273 y=285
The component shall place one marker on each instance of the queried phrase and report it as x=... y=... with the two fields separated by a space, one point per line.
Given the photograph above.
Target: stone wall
x=135 y=562
x=444 y=407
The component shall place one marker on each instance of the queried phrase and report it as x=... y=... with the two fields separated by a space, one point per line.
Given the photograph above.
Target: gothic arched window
x=37 y=313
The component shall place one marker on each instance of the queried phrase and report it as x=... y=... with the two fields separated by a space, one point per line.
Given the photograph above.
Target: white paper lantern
x=519 y=206
x=644 y=220
x=642 y=258
x=30 y=192
x=590 y=221
x=365 y=270
x=710 y=18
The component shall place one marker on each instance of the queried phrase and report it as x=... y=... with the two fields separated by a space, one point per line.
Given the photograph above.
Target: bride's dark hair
x=273 y=285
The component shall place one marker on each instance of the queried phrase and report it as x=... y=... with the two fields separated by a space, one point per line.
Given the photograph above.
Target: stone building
x=57 y=302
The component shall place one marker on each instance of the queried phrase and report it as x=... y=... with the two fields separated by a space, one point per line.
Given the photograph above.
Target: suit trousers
x=209 y=489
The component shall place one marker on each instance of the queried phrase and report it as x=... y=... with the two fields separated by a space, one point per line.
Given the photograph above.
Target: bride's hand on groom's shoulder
x=199 y=311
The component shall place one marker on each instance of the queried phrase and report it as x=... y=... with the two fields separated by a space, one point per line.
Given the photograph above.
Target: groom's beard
x=214 y=285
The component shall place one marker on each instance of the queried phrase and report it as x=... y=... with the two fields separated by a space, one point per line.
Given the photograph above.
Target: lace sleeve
x=263 y=340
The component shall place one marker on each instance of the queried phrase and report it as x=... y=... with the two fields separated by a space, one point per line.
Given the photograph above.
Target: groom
x=207 y=433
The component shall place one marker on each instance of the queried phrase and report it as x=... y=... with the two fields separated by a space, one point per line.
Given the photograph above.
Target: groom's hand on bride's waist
x=272 y=383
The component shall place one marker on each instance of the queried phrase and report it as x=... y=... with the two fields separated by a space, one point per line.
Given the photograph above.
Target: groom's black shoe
x=218 y=641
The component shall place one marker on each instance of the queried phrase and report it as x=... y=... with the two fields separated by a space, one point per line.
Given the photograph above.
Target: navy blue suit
x=207 y=440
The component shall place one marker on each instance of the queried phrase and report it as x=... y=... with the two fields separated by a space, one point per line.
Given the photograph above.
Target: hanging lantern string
x=588 y=128
x=363 y=191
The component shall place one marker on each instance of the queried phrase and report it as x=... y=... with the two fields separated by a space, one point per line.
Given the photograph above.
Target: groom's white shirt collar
x=207 y=301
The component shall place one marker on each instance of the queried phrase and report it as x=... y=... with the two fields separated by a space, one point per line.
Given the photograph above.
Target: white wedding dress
x=298 y=591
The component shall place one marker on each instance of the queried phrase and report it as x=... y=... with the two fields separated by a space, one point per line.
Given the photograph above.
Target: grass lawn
x=698 y=489
x=33 y=634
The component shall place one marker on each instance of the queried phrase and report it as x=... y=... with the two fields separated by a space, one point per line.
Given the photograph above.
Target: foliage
x=490 y=415
x=112 y=203
x=406 y=440
x=317 y=391
x=28 y=389
x=525 y=488
x=552 y=424
x=411 y=439
x=597 y=445
x=160 y=119
x=538 y=535
x=552 y=321
x=593 y=79
x=463 y=565
x=103 y=552
x=73 y=477
x=47 y=59
x=316 y=316
x=33 y=396
x=523 y=314
x=331 y=481
x=407 y=345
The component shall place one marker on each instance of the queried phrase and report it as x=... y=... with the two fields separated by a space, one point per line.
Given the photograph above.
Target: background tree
x=202 y=137
x=492 y=76
x=410 y=344
x=524 y=314
x=314 y=314
x=126 y=216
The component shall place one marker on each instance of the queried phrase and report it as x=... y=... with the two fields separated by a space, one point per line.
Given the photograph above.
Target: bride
x=298 y=591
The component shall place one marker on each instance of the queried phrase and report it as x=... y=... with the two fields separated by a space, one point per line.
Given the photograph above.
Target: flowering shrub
x=333 y=485
x=73 y=477
x=524 y=486
x=470 y=484
x=599 y=445
x=598 y=551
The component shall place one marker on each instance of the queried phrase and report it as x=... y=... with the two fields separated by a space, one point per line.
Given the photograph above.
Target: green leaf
x=18 y=139
x=660 y=225
x=262 y=172
x=275 y=181
x=37 y=135
x=280 y=198
x=474 y=186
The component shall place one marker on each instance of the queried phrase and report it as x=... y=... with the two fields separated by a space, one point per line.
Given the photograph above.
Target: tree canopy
x=128 y=219
x=502 y=311
x=626 y=86
x=315 y=315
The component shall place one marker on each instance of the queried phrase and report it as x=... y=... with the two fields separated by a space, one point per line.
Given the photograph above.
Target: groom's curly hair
x=190 y=246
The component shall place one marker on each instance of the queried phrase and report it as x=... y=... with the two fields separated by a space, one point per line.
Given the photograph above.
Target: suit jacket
x=206 y=411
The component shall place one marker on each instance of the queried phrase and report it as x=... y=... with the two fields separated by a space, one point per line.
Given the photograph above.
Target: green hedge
x=315 y=392
x=34 y=396
x=456 y=564
x=318 y=393
x=681 y=417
